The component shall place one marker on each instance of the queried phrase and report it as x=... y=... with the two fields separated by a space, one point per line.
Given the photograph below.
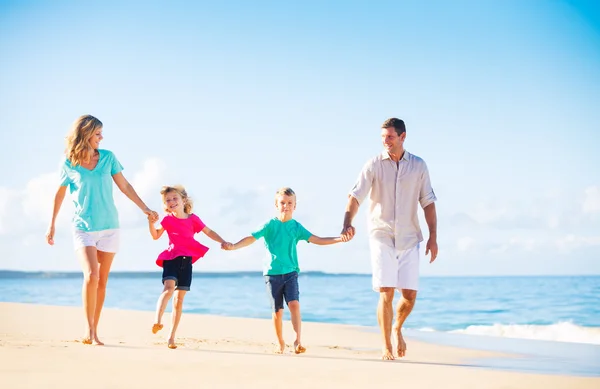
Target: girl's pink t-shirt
x=181 y=238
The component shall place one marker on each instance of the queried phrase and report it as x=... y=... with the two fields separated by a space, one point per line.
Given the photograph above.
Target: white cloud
x=573 y=242
x=591 y=202
x=147 y=184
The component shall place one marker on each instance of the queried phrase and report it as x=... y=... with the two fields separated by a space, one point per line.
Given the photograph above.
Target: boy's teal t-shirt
x=281 y=239
x=92 y=192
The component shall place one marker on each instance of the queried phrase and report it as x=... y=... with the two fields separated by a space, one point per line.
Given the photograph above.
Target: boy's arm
x=247 y=241
x=325 y=241
x=155 y=233
x=213 y=235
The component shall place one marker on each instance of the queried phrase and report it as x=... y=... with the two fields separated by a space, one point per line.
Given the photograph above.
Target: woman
x=88 y=173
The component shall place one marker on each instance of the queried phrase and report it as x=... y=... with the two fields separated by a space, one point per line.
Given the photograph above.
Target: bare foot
x=86 y=340
x=280 y=349
x=97 y=342
x=299 y=349
x=387 y=354
x=156 y=327
x=400 y=343
x=171 y=344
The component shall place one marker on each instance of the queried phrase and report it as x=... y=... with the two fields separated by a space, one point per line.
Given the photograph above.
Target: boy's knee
x=294 y=305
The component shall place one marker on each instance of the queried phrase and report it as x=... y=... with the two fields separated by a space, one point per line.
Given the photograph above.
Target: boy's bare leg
x=385 y=314
x=294 y=307
x=405 y=306
x=176 y=316
x=89 y=264
x=105 y=261
x=161 y=305
x=278 y=324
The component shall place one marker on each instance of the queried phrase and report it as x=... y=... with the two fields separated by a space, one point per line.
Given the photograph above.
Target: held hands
x=152 y=215
x=347 y=233
x=227 y=246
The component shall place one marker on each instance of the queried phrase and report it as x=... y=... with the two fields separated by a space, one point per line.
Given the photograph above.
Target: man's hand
x=432 y=247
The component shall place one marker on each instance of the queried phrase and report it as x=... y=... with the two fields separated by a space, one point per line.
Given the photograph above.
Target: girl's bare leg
x=176 y=316
x=161 y=305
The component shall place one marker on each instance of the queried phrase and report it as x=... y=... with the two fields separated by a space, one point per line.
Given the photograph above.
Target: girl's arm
x=325 y=241
x=125 y=187
x=213 y=235
x=58 y=199
x=247 y=241
x=154 y=232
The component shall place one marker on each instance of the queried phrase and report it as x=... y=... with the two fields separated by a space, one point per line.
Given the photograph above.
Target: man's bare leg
x=405 y=306
x=385 y=314
x=161 y=305
x=278 y=324
x=176 y=316
x=294 y=307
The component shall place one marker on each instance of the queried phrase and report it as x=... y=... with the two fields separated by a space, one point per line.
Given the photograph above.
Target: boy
x=281 y=235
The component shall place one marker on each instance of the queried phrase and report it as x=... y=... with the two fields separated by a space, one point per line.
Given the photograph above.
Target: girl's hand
x=149 y=212
x=152 y=218
x=50 y=235
x=227 y=246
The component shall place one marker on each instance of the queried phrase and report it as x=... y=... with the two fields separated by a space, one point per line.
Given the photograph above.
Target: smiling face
x=392 y=142
x=285 y=206
x=95 y=138
x=174 y=203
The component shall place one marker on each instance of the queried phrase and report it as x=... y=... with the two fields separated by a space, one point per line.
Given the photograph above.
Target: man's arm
x=351 y=211
x=431 y=219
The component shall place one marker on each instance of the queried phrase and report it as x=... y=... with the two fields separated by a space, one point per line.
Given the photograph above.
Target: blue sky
x=236 y=99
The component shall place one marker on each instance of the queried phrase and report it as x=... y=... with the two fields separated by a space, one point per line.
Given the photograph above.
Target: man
x=397 y=181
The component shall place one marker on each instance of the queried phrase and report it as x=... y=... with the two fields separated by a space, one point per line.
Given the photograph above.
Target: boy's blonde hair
x=287 y=191
x=78 y=147
x=188 y=204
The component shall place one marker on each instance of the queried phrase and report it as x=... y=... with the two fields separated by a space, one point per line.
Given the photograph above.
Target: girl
x=88 y=172
x=181 y=225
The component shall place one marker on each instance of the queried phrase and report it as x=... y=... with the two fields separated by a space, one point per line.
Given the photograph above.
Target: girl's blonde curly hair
x=188 y=204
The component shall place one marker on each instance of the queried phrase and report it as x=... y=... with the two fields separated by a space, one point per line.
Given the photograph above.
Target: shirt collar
x=385 y=155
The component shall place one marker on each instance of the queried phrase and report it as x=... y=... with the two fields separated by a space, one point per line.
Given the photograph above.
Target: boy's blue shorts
x=280 y=287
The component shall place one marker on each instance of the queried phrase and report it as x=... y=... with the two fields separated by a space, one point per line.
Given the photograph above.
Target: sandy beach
x=39 y=348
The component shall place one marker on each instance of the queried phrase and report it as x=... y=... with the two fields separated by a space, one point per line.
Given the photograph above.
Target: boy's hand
x=346 y=237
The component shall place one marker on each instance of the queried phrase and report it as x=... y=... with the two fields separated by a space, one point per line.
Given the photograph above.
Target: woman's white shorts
x=394 y=268
x=105 y=240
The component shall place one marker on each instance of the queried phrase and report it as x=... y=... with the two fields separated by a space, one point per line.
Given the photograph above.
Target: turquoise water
x=561 y=314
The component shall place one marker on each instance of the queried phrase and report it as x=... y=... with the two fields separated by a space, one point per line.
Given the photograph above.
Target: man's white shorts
x=105 y=240
x=394 y=268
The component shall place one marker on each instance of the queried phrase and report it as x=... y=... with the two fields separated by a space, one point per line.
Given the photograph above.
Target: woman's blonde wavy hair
x=188 y=204
x=78 y=148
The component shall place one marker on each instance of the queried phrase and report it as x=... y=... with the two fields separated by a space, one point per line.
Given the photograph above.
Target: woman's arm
x=125 y=187
x=58 y=199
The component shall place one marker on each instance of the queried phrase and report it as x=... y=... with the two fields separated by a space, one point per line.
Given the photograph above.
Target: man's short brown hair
x=398 y=125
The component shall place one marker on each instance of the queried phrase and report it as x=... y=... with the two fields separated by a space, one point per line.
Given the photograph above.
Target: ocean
x=557 y=314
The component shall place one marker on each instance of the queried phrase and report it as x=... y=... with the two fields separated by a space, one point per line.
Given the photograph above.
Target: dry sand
x=39 y=348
